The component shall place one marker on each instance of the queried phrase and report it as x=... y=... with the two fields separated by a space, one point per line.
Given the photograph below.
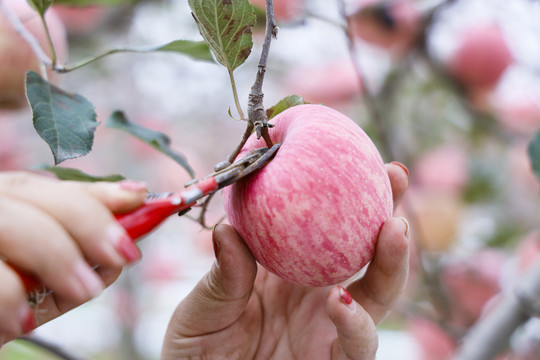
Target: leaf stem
x=235 y=95
x=54 y=58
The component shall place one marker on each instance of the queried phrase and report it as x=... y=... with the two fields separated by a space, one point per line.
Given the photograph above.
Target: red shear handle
x=146 y=218
x=142 y=220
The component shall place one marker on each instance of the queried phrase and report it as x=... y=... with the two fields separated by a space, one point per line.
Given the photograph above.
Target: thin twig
x=353 y=52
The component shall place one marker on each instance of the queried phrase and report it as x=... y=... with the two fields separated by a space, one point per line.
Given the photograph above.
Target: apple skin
x=313 y=213
x=16 y=56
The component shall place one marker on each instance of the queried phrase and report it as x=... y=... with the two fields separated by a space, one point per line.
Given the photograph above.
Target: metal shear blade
x=253 y=161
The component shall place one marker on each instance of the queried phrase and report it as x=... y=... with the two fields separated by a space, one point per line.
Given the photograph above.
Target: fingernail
x=407 y=227
x=126 y=246
x=27 y=319
x=217 y=247
x=89 y=279
x=132 y=185
x=346 y=298
x=123 y=244
x=403 y=167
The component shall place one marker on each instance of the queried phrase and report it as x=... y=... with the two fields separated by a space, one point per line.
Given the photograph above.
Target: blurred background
x=449 y=88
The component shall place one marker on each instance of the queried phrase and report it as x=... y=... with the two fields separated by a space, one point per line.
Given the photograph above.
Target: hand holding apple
x=313 y=214
x=239 y=311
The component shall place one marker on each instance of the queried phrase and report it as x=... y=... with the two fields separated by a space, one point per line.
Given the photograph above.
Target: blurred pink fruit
x=481 y=58
x=433 y=342
x=17 y=57
x=391 y=25
x=444 y=168
x=284 y=10
x=520 y=116
x=528 y=252
x=81 y=20
x=471 y=282
x=437 y=217
x=332 y=84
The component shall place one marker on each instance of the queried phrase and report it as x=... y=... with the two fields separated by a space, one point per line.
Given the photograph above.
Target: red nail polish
x=128 y=249
x=217 y=247
x=28 y=320
x=132 y=185
x=345 y=296
x=402 y=167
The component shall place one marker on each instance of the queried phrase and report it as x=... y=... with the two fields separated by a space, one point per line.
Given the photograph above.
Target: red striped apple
x=312 y=215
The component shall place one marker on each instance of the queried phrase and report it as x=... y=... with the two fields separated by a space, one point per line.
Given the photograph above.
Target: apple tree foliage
x=66 y=121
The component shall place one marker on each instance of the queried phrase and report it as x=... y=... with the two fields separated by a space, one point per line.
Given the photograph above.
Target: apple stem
x=247 y=133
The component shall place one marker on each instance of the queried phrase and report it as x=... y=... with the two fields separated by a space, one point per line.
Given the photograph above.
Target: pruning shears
x=159 y=206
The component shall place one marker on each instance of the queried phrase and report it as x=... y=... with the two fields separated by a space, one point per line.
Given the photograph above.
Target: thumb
x=357 y=333
x=219 y=299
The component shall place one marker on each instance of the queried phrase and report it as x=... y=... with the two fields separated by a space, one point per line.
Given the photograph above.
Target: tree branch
x=490 y=335
x=256 y=112
x=257 y=119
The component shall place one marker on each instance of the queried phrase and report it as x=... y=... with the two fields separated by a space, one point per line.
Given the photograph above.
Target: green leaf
x=226 y=27
x=195 y=49
x=198 y=50
x=93 y=2
x=284 y=104
x=64 y=173
x=40 y=5
x=156 y=139
x=534 y=154
x=65 y=121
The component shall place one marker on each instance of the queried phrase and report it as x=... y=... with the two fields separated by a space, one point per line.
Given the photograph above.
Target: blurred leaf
x=534 y=154
x=64 y=173
x=40 y=5
x=284 y=104
x=156 y=139
x=92 y=2
x=65 y=121
x=20 y=349
x=226 y=28
x=198 y=50
x=195 y=49
x=506 y=235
